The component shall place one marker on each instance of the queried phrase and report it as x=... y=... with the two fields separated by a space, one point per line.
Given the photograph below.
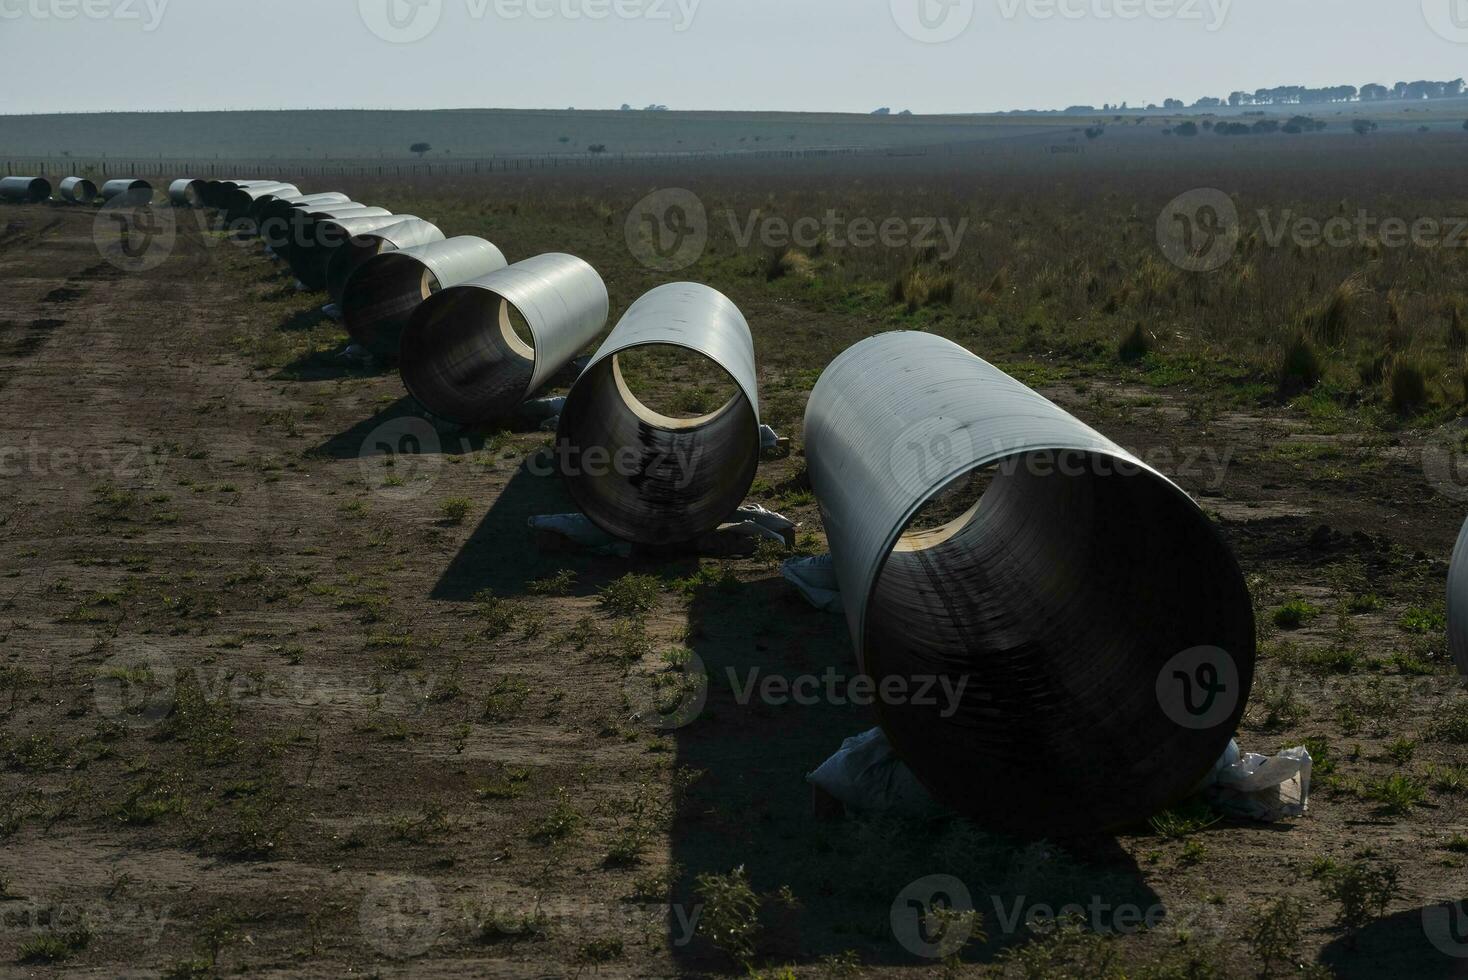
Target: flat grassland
x=374 y=728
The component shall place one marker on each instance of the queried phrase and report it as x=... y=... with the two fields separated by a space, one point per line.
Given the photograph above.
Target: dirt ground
x=273 y=707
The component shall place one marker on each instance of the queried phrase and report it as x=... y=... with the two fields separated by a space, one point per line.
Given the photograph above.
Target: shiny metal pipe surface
x=650 y=478
x=186 y=192
x=77 y=190
x=127 y=192
x=461 y=356
x=1083 y=635
x=383 y=293
x=364 y=246
x=310 y=263
x=25 y=190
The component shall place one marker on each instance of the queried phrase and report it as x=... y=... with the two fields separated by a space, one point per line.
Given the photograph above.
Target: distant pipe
x=187 y=193
x=25 y=190
x=298 y=222
x=273 y=217
x=379 y=299
x=127 y=192
x=461 y=357
x=363 y=246
x=216 y=191
x=309 y=264
x=78 y=190
x=645 y=477
x=1091 y=632
x=238 y=203
x=1458 y=603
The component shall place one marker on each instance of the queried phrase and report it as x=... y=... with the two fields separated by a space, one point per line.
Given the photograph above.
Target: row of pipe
x=1064 y=594
x=76 y=190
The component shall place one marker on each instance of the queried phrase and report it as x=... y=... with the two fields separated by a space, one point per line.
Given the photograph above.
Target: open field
x=375 y=729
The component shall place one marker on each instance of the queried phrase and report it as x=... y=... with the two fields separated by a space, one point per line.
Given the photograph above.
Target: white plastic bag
x=815 y=578
x=1259 y=787
x=866 y=775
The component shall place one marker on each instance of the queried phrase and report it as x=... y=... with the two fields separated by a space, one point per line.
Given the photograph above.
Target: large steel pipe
x=1458 y=604
x=650 y=478
x=309 y=263
x=238 y=204
x=1070 y=654
x=382 y=295
x=77 y=190
x=25 y=190
x=186 y=192
x=216 y=192
x=299 y=222
x=127 y=192
x=363 y=246
x=275 y=216
x=462 y=357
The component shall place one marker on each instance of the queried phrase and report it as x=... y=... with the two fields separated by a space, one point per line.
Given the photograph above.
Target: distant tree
x=1189 y=128
x=597 y=148
x=564 y=139
x=626 y=107
x=1363 y=126
x=1465 y=124
x=1172 y=105
x=884 y=111
x=1094 y=132
x=420 y=149
x=1374 y=93
x=905 y=112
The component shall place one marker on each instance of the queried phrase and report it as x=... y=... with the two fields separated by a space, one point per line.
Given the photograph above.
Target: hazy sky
x=838 y=55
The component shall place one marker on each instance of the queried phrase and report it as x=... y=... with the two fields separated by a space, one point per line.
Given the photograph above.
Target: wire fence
x=45 y=166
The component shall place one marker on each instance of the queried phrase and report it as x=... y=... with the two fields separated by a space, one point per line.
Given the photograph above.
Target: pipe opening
x=664 y=474
x=458 y=369
x=675 y=383
x=377 y=307
x=1057 y=585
